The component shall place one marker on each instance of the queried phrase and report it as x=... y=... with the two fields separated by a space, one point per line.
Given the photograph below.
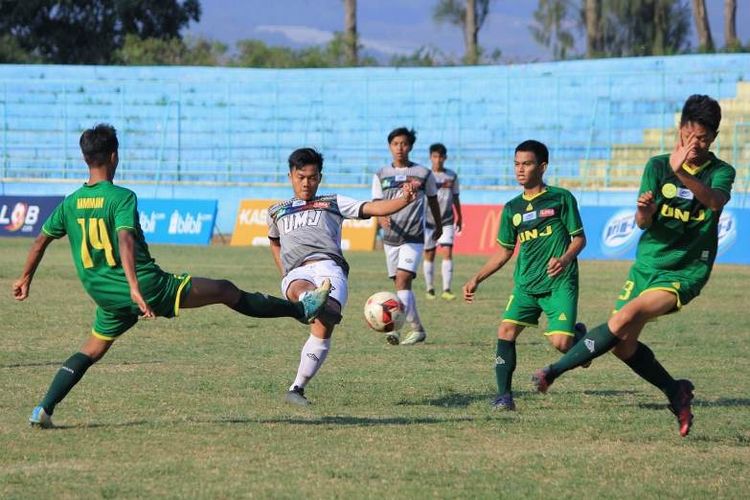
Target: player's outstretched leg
x=69 y=374
x=592 y=345
x=206 y=291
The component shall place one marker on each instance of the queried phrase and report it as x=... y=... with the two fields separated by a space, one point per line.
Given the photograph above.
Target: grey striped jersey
x=407 y=225
x=447 y=188
x=312 y=229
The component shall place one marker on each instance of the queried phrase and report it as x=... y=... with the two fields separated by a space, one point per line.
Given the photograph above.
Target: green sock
x=260 y=305
x=505 y=365
x=644 y=363
x=595 y=343
x=65 y=379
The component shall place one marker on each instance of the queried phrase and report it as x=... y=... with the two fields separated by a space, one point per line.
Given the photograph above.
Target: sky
x=389 y=27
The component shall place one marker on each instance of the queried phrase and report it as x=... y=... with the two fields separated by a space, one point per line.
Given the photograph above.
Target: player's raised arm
x=388 y=207
x=493 y=264
x=127 y=256
x=33 y=259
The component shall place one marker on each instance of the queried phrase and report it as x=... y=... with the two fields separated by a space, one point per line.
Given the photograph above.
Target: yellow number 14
x=98 y=237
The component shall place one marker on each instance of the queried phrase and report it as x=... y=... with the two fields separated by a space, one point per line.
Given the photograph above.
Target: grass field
x=192 y=407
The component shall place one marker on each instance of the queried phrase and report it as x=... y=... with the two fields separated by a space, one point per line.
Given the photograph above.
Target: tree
x=172 y=51
x=706 y=43
x=592 y=20
x=550 y=28
x=90 y=31
x=350 y=31
x=470 y=16
x=731 y=42
x=644 y=27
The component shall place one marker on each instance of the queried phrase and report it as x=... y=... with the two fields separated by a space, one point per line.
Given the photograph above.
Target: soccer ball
x=384 y=312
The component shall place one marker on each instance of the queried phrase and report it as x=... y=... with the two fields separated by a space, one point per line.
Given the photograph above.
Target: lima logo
x=727 y=231
x=620 y=233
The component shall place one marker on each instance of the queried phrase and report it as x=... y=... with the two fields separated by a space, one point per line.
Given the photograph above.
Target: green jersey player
x=112 y=260
x=680 y=201
x=545 y=222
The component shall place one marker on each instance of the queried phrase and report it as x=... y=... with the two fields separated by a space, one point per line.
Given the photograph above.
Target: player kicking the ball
x=305 y=236
x=545 y=222
x=114 y=265
x=681 y=198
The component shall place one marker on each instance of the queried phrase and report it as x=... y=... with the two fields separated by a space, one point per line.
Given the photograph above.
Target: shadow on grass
x=58 y=363
x=718 y=403
x=457 y=400
x=332 y=420
x=608 y=393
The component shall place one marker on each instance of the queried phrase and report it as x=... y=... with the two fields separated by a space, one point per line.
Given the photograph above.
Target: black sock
x=644 y=363
x=595 y=343
x=260 y=305
x=505 y=365
x=65 y=379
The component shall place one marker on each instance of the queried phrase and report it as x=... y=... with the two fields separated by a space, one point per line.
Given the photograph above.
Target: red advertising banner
x=479 y=234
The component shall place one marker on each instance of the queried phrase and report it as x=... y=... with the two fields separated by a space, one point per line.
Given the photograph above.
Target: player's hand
x=437 y=233
x=469 y=289
x=646 y=204
x=556 y=266
x=408 y=192
x=459 y=224
x=21 y=288
x=685 y=151
x=384 y=222
x=146 y=310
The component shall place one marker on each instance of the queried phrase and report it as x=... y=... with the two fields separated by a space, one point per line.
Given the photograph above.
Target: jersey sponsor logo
x=547 y=212
x=90 y=203
x=298 y=203
x=669 y=190
x=685 y=194
x=300 y=219
x=532 y=234
x=727 y=231
x=400 y=178
x=620 y=233
x=682 y=215
x=21 y=216
x=529 y=216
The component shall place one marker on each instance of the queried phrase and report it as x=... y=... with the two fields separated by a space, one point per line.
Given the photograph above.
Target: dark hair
x=410 y=134
x=438 y=148
x=701 y=109
x=98 y=144
x=540 y=150
x=305 y=156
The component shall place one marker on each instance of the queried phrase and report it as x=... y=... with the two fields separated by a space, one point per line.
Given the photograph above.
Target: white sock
x=429 y=274
x=447 y=273
x=314 y=353
x=410 y=306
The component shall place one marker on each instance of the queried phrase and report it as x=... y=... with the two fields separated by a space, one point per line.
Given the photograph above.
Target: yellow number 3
x=98 y=237
x=627 y=289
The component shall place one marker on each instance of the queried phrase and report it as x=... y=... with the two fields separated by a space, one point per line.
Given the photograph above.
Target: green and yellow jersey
x=543 y=225
x=91 y=218
x=683 y=235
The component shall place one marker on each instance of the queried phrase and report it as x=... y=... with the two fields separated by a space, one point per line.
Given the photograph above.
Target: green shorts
x=165 y=301
x=641 y=281
x=560 y=306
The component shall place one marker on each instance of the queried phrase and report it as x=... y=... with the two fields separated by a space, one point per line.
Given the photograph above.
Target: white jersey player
x=305 y=236
x=403 y=233
x=447 y=185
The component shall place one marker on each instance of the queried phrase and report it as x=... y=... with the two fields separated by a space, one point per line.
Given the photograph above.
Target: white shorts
x=445 y=240
x=316 y=272
x=405 y=256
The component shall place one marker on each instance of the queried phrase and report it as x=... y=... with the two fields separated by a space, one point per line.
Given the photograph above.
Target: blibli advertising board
x=178 y=222
x=25 y=215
